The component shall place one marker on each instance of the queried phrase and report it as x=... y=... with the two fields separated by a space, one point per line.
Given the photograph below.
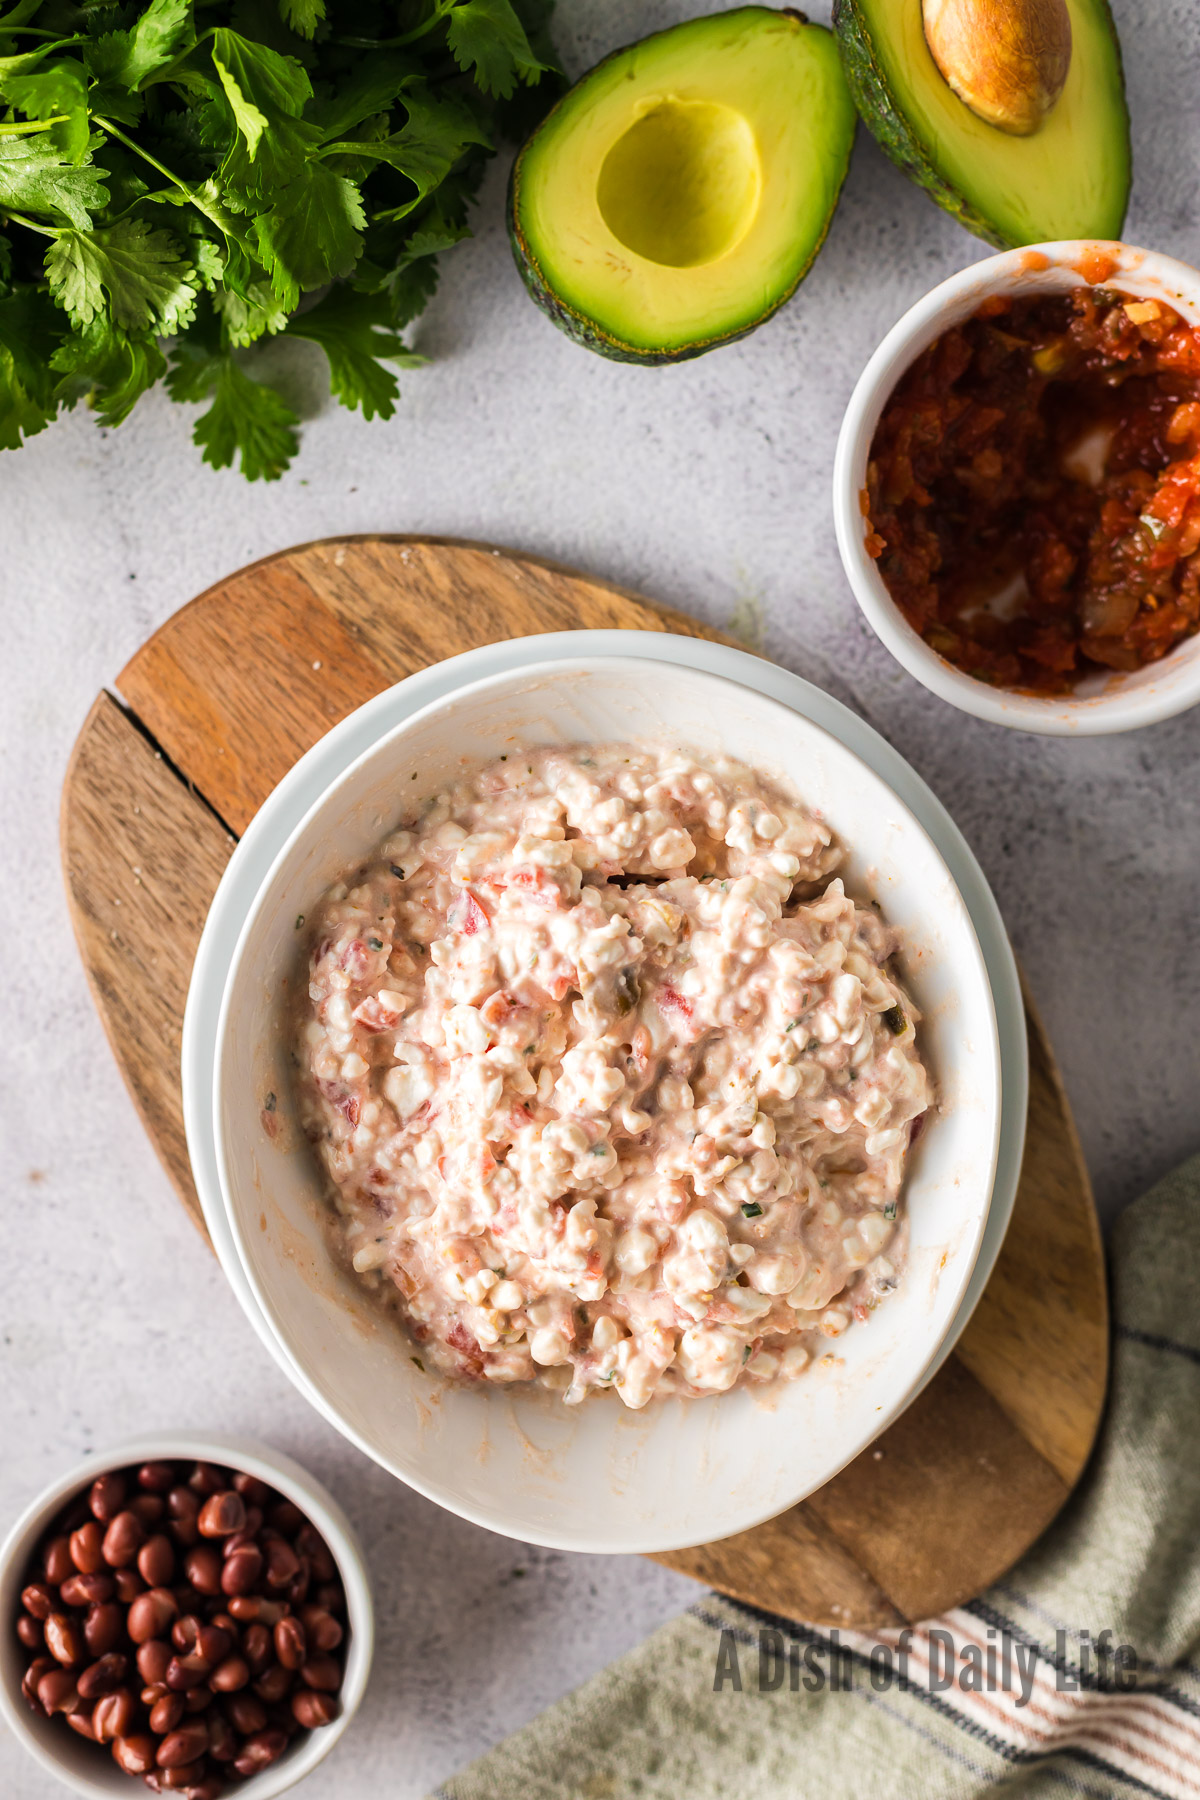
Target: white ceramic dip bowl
x=1106 y=701
x=599 y=1477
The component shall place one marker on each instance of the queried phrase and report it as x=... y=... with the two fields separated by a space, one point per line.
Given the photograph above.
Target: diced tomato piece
x=672 y=1002
x=468 y=1347
x=536 y=884
x=497 y=1008
x=357 y=960
x=374 y=1016
x=467 y=916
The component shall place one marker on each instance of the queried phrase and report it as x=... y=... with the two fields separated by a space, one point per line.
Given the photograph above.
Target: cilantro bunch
x=180 y=180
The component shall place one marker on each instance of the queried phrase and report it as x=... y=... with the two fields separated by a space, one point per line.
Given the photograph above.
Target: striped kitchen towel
x=1077 y=1674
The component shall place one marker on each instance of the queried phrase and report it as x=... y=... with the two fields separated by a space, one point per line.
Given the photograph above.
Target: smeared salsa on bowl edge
x=1033 y=489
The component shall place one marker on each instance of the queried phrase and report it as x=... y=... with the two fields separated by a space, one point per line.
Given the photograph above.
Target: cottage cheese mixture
x=612 y=1081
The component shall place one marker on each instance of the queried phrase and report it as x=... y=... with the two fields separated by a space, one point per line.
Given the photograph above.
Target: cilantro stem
x=392 y=214
x=23 y=127
x=167 y=71
x=442 y=9
x=130 y=144
x=20 y=219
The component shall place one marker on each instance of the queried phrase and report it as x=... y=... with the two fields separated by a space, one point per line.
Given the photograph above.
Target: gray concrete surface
x=707 y=486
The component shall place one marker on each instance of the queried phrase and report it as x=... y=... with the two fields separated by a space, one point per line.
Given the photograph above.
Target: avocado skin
x=585 y=331
x=577 y=326
x=881 y=114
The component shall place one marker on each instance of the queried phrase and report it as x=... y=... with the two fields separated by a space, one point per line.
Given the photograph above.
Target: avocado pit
x=1007 y=60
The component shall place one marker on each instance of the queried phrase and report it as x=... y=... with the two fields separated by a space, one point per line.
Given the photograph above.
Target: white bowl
x=598 y=1477
x=87 y=1768
x=1104 y=701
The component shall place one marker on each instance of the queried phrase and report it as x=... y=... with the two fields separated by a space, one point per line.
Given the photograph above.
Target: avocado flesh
x=674 y=199
x=1069 y=179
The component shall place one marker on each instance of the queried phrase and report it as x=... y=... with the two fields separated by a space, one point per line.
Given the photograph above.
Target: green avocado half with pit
x=677 y=195
x=1068 y=179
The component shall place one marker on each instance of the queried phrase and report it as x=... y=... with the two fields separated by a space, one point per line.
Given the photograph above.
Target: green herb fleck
x=745 y=1353
x=270 y=1103
x=889 y=1211
x=299 y=920
x=397 y=871
x=895 y=1021
x=419 y=1363
x=375 y=943
x=752 y=1210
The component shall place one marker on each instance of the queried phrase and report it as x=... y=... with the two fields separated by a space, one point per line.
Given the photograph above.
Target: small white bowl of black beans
x=192 y=1613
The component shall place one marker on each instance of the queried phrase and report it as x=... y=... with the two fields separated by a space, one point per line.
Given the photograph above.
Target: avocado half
x=677 y=195
x=1069 y=179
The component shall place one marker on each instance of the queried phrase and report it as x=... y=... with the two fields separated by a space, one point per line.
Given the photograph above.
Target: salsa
x=1033 y=490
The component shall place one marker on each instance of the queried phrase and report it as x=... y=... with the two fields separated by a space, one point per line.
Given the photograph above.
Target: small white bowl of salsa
x=1017 y=489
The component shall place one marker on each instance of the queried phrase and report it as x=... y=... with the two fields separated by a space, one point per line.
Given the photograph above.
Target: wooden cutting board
x=170 y=767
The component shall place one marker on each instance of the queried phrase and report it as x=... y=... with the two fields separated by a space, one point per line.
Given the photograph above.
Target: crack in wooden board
x=142 y=858
x=977 y=1467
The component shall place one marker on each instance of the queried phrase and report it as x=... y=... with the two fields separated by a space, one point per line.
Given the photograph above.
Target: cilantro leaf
x=303 y=16
x=5 y=265
x=22 y=64
x=266 y=94
x=156 y=38
x=258 y=82
x=312 y=234
x=207 y=260
x=27 y=402
x=372 y=87
x=55 y=91
x=247 y=419
x=249 y=316
x=35 y=177
x=487 y=39
x=351 y=328
x=148 y=283
x=428 y=144
x=109 y=369
x=250 y=420
x=410 y=288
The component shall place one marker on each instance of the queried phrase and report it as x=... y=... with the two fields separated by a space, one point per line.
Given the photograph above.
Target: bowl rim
x=286 y=1338
x=244 y=1455
x=1120 y=707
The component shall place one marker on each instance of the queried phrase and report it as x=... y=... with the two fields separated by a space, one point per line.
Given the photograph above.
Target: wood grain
x=142 y=856
x=221 y=702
